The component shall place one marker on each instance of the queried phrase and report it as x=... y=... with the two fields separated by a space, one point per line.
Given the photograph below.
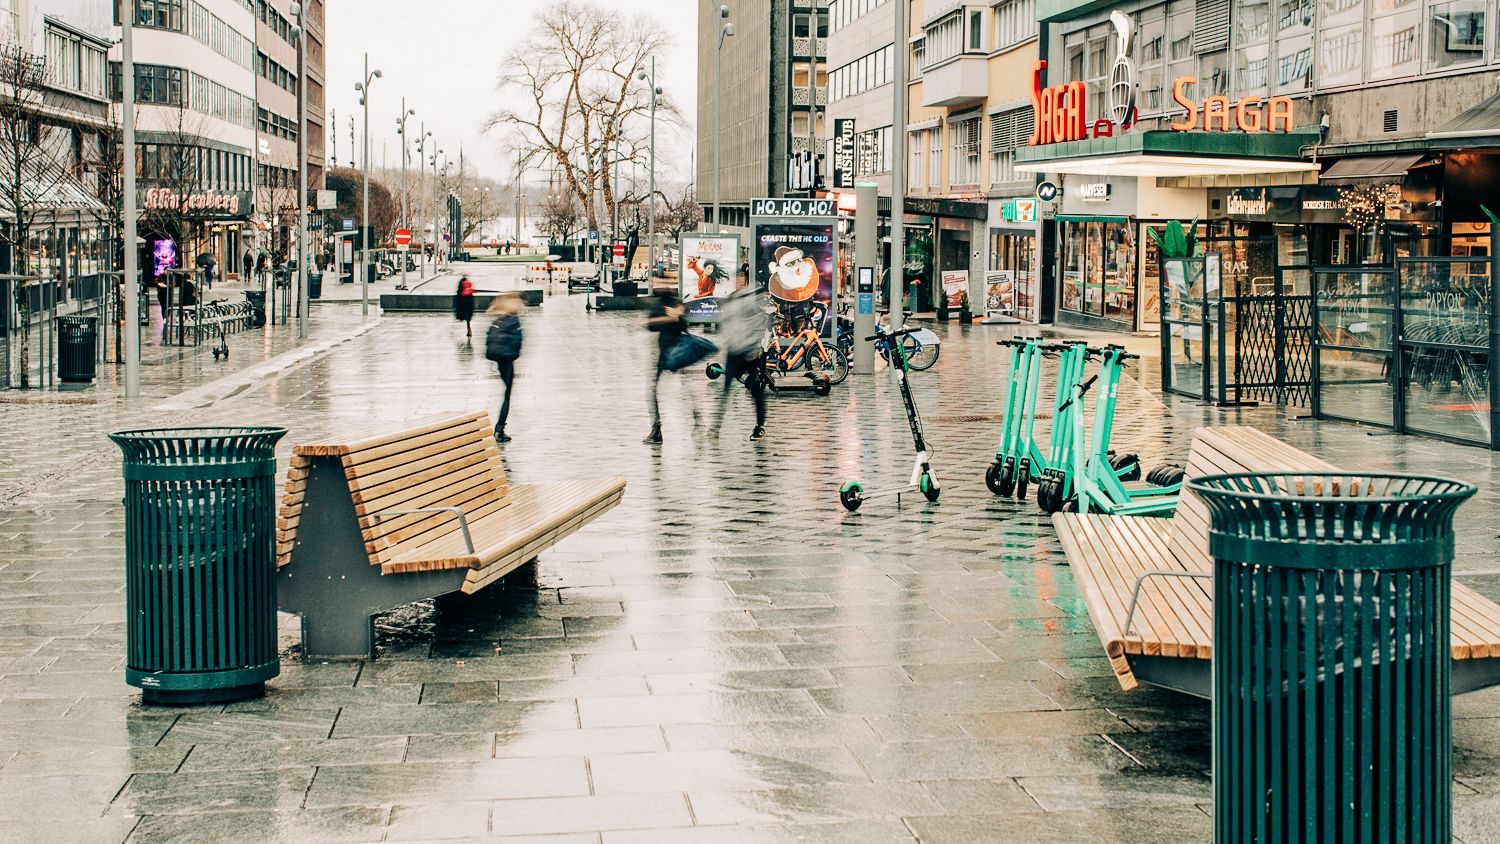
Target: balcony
x=961 y=79
x=802 y=48
x=801 y=97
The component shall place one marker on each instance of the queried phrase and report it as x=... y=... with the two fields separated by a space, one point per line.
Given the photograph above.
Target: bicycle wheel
x=831 y=361
x=919 y=357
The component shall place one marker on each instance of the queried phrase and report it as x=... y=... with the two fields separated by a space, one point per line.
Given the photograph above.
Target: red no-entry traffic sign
x=403 y=237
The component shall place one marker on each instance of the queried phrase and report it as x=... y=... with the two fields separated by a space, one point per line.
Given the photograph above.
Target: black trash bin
x=200 y=565
x=314 y=285
x=257 y=301
x=77 y=347
x=1331 y=655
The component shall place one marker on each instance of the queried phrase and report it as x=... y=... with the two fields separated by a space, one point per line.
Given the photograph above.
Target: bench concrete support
x=331 y=583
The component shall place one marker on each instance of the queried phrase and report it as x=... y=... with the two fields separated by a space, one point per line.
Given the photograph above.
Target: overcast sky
x=444 y=57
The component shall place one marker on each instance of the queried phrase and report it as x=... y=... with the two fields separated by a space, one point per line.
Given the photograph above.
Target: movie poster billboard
x=709 y=263
x=796 y=254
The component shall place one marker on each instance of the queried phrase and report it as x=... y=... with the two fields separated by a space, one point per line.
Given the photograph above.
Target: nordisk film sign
x=1062 y=110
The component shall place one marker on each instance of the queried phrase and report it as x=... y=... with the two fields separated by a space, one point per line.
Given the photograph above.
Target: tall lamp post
x=725 y=30
x=131 y=283
x=405 y=214
x=364 y=235
x=303 y=255
x=651 y=191
x=423 y=136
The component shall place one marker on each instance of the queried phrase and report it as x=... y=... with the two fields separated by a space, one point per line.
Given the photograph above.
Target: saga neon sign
x=1215 y=113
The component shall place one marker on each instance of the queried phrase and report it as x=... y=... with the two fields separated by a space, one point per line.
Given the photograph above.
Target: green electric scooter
x=1096 y=483
x=923 y=477
x=1058 y=470
x=1018 y=446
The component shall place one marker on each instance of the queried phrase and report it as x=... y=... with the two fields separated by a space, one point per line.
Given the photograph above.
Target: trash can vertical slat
x=1331 y=656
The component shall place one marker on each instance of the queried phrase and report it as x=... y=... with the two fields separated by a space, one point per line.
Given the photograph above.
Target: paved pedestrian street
x=727 y=656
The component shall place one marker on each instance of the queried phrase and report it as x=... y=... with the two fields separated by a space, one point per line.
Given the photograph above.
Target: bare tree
x=681 y=211
x=574 y=78
x=173 y=171
x=28 y=174
x=562 y=217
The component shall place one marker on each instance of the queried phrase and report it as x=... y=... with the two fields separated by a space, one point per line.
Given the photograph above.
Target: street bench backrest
x=1228 y=448
x=446 y=462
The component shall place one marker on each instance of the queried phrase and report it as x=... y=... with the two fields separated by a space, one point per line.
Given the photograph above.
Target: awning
x=48 y=190
x=1161 y=154
x=1382 y=168
x=1480 y=121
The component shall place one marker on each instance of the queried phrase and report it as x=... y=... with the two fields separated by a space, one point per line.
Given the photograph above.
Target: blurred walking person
x=502 y=344
x=668 y=318
x=742 y=328
x=463 y=305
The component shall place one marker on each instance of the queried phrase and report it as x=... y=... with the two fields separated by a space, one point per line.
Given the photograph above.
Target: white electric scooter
x=923 y=478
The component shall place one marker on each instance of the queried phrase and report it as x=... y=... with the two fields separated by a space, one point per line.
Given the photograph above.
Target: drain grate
x=958 y=420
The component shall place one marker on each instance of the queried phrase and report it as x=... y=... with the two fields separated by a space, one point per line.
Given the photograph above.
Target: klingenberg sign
x=206 y=203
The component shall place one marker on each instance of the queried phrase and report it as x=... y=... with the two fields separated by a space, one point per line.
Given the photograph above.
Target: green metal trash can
x=1331 y=656
x=314 y=285
x=77 y=347
x=200 y=581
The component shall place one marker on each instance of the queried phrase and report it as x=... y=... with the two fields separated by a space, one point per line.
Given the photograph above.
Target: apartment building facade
x=773 y=84
x=278 y=126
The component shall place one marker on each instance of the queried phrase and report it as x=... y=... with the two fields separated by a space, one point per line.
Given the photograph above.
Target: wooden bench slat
x=337 y=448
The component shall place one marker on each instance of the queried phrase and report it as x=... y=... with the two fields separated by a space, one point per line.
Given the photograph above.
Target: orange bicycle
x=796 y=341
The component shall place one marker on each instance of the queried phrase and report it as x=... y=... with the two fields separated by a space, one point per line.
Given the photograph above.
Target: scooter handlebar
x=889 y=334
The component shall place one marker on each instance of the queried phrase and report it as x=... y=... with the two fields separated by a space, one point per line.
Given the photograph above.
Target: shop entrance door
x=1267 y=319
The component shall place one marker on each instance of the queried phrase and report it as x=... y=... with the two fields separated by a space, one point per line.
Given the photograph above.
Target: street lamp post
x=651 y=191
x=423 y=136
x=364 y=235
x=303 y=255
x=436 y=212
x=725 y=30
x=131 y=283
x=405 y=214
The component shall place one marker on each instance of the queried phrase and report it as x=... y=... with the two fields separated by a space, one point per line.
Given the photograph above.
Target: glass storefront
x=1010 y=283
x=1099 y=269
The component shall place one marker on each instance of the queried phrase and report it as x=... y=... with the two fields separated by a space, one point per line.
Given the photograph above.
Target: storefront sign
x=1094 y=191
x=1047 y=191
x=207 y=203
x=1018 y=211
x=802 y=171
x=1000 y=292
x=1321 y=205
x=1247 y=206
x=843 y=152
x=1061 y=111
x=709 y=263
x=1214 y=115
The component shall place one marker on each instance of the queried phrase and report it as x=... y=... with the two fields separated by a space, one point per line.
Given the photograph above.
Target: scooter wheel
x=851 y=495
x=822 y=386
x=1047 y=494
x=1127 y=466
x=1023 y=477
x=929 y=487
x=992 y=477
x=1168 y=475
x=713 y=371
x=1007 y=484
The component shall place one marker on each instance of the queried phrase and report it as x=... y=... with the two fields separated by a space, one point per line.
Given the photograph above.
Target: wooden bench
x=370 y=524
x=1148 y=587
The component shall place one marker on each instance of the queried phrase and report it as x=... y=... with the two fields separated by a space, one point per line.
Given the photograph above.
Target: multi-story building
x=277 y=121
x=968 y=79
x=195 y=88
x=773 y=86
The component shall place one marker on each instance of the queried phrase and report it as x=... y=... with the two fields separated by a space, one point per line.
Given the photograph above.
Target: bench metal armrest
x=1135 y=595
x=463 y=521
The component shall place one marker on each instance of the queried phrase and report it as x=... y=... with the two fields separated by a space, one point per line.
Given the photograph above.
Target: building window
x=976 y=31
x=1015 y=22
x=863 y=74
x=156 y=14
x=841 y=13
x=1455 y=33
x=1395 y=47
x=873 y=152
x=935 y=158
x=1009 y=130
x=918 y=58
x=154 y=84
x=964 y=165
x=1098 y=270
x=915 y=173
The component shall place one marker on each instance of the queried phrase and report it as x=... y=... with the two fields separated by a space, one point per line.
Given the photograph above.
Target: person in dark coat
x=502 y=344
x=249 y=264
x=463 y=305
x=668 y=318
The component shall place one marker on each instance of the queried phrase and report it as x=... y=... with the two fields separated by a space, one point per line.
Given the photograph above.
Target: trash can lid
x=1331 y=519
x=198 y=446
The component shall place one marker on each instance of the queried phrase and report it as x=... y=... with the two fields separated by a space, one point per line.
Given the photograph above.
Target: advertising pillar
x=866 y=257
x=795 y=256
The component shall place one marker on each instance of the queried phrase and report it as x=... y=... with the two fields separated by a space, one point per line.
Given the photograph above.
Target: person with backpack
x=502 y=344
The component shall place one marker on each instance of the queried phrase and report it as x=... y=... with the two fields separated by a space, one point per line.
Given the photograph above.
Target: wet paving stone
x=727 y=656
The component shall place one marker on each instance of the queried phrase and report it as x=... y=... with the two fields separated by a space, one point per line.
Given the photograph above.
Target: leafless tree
x=679 y=212
x=574 y=79
x=28 y=174
x=562 y=217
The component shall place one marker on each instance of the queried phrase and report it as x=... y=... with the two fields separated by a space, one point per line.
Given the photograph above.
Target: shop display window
x=1099 y=270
